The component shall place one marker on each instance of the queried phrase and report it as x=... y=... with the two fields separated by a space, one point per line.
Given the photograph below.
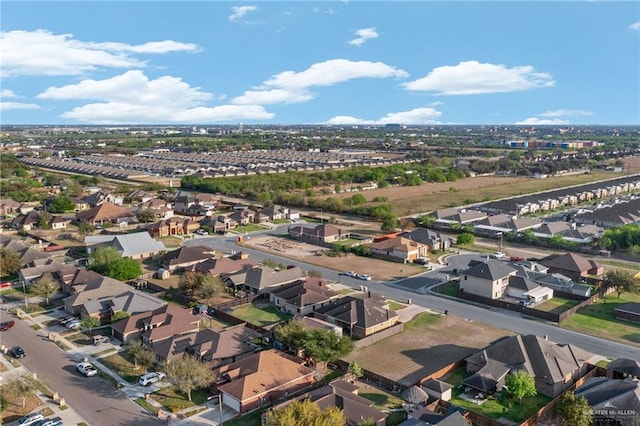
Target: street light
x=500 y=234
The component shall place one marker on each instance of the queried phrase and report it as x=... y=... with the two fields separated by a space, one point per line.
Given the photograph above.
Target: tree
x=291 y=333
x=188 y=373
x=190 y=282
x=269 y=263
x=120 y=315
x=20 y=387
x=389 y=223
x=102 y=257
x=123 y=269
x=314 y=273
x=325 y=345
x=86 y=228
x=521 y=384
x=622 y=281
x=305 y=412
x=574 y=410
x=465 y=238
x=141 y=355
x=45 y=221
x=90 y=323
x=45 y=287
x=355 y=369
x=146 y=215
x=62 y=204
x=9 y=262
x=210 y=287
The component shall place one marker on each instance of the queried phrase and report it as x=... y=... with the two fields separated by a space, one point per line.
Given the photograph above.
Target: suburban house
x=218 y=347
x=139 y=245
x=185 y=257
x=558 y=282
x=157 y=325
x=261 y=379
x=572 y=265
x=140 y=195
x=614 y=401
x=569 y=231
x=554 y=367
x=174 y=225
x=454 y=215
x=399 y=249
x=132 y=302
x=200 y=204
x=487 y=279
x=343 y=395
x=105 y=213
x=359 y=315
x=525 y=289
x=623 y=368
x=26 y=222
x=423 y=416
x=39 y=267
x=323 y=234
x=226 y=265
x=78 y=281
x=103 y=196
x=95 y=289
x=9 y=207
x=244 y=216
x=25 y=252
x=259 y=280
x=431 y=238
x=505 y=223
x=312 y=323
x=437 y=389
x=214 y=223
x=161 y=208
x=628 y=312
x=278 y=212
x=302 y=296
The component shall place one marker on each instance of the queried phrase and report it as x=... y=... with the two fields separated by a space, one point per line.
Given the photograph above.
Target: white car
x=365 y=277
x=30 y=419
x=86 y=369
x=351 y=274
x=73 y=324
x=498 y=255
x=152 y=377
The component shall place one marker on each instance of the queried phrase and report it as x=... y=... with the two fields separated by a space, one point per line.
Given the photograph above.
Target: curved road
x=507 y=320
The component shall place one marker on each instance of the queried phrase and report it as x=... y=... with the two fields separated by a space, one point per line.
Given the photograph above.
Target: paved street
x=95 y=399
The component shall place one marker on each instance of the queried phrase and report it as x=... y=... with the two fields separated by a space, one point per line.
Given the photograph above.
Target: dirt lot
x=415 y=353
x=378 y=269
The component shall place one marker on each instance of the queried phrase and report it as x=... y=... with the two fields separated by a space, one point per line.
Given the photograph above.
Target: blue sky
x=346 y=62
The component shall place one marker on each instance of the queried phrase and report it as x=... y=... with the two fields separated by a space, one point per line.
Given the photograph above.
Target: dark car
x=4 y=326
x=18 y=352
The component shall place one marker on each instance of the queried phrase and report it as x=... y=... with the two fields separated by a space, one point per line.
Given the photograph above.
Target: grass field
x=122 y=365
x=176 y=400
x=557 y=305
x=259 y=315
x=600 y=320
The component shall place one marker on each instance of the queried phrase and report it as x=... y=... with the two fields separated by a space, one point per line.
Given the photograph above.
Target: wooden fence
x=376 y=337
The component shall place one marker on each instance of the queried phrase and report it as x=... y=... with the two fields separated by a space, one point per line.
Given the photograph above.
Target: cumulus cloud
x=635 y=26
x=414 y=116
x=6 y=93
x=239 y=12
x=6 y=106
x=473 y=77
x=293 y=87
x=134 y=98
x=41 y=52
x=364 y=34
x=541 y=121
x=565 y=112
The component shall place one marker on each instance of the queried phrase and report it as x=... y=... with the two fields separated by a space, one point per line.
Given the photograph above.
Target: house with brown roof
x=359 y=315
x=226 y=265
x=399 y=249
x=155 y=326
x=302 y=297
x=431 y=238
x=217 y=347
x=553 y=366
x=9 y=206
x=322 y=235
x=175 y=225
x=572 y=265
x=103 y=196
x=487 y=279
x=185 y=257
x=79 y=280
x=105 y=213
x=343 y=395
x=160 y=208
x=97 y=288
x=261 y=280
x=261 y=379
x=244 y=217
x=132 y=302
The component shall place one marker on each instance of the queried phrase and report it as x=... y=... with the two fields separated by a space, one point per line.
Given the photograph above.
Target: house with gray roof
x=156 y=325
x=261 y=280
x=132 y=302
x=622 y=368
x=572 y=265
x=525 y=289
x=139 y=245
x=302 y=296
x=505 y=223
x=553 y=366
x=185 y=257
x=433 y=239
x=614 y=401
x=487 y=279
x=628 y=312
x=97 y=288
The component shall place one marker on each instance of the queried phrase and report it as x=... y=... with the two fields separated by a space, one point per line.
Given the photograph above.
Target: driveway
x=95 y=399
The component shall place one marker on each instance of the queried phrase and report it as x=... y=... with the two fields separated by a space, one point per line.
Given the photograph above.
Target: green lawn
x=122 y=365
x=251 y=227
x=557 y=305
x=252 y=419
x=600 y=320
x=176 y=400
x=381 y=400
x=450 y=289
x=509 y=408
x=396 y=306
x=261 y=316
x=281 y=221
x=421 y=320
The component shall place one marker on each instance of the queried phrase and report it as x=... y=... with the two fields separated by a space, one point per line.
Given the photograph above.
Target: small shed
x=437 y=389
x=163 y=274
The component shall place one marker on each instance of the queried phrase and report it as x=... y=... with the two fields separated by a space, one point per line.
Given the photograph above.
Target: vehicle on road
x=56 y=421
x=4 y=326
x=351 y=274
x=152 y=377
x=516 y=259
x=364 y=277
x=86 y=369
x=421 y=261
x=18 y=352
x=30 y=419
x=498 y=255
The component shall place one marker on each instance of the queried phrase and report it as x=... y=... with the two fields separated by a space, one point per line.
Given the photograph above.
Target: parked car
x=351 y=274
x=30 y=419
x=421 y=261
x=73 y=324
x=64 y=320
x=86 y=369
x=201 y=232
x=56 y=421
x=365 y=277
x=525 y=302
x=498 y=255
x=152 y=377
x=18 y=352
x=516 y=259
x=4 y=326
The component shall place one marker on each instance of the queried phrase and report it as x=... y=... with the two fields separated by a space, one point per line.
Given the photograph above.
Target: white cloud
x=6 y=93
x=133 y=98
x=473 y=77
x=541 y=121
x=6 y=106
x=41 y=52
x=292 y=87
x=328 y=11
x=364 y=34
x=635 y=26
x=565 y=112
x=238 y=12
x=414 y=116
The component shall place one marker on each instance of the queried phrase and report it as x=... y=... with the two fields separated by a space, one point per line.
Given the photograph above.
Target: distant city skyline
x=343 y=63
